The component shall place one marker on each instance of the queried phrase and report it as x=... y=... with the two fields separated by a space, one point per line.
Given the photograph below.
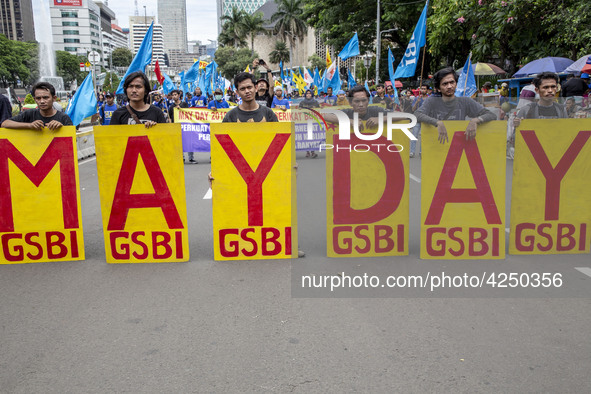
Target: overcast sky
x=201 y=15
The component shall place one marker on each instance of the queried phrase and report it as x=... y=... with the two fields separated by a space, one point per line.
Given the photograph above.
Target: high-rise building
x=138 y=25
x=16 y=20
x=224 y=7
x=76 y=26
x=172 y=15
x=120 y=38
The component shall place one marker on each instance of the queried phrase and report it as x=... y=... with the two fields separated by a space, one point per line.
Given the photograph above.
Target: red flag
x=159 y=75
x=587 y=66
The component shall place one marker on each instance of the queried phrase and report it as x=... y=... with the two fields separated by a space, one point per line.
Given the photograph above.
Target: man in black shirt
x=249 y=110
x=42 y=116
x=137 y=89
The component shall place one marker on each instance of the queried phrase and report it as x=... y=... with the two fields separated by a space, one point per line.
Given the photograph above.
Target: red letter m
x=60 y=149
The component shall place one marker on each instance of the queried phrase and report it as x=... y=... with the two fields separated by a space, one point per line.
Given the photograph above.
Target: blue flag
x=83 y=104
x=351 y=82
x=183 y=86
x=192 y=73
x=335 y=83
x=202 y=81
x=167 y=86
x=210 y=75
x=367 y=88
x=408 y=65
x=351 y=49
x=142 y=58
x=466 y=86
x=316 y=77
x=391 y=73
x=281 y=71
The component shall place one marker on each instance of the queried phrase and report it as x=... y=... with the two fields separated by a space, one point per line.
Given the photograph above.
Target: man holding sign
x=447 y=106
x=42 y=116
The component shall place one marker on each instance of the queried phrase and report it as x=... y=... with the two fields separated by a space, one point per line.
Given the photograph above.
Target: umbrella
x=487 y=69
x=576 y=67
x=552 y=64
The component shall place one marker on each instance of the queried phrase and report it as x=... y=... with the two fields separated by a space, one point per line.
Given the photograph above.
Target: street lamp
x=367 y=63
x=378 y=49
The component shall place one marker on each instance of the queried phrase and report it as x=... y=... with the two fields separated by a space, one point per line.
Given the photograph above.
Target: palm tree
x=291 y=24
x=233 y=28
x=253 y=24
x=280 y=53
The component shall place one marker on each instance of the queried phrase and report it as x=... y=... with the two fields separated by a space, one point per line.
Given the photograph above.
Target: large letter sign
x=254 y=191
x=367 y=195
x=551 y=194
x=463 y=193
x=40 y=214
x=142 y=190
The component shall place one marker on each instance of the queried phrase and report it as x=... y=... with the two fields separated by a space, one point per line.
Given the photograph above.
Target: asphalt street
x=230 y=327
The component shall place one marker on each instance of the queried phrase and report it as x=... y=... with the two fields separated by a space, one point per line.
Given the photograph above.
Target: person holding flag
x=137 y=89
x=106 y=110
x=198 y=100
x=45 y=115
x=218 y=101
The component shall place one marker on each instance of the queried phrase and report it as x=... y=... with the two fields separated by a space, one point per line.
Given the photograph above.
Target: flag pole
x=422 y=66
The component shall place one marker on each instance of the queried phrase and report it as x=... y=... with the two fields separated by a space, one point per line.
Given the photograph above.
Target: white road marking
x=507 y=230
x=585 y=270
x=87 y=161
x=414 y=178
x=207 y=195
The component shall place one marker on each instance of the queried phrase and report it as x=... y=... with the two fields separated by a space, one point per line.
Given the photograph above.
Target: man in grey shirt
x=437 y=109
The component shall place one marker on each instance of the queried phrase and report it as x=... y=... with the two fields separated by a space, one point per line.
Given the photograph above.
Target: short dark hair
x=444 y=72
x=545 y=75
x=43 y=86
x=135 y=75
x=379 y=85
x=357 y=89
x=243 y=76
x=177 y=92
x=425 y=84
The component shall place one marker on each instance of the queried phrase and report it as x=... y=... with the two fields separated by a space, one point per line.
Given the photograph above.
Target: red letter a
x=445 y=194
x=254 y=180
x=124 y=201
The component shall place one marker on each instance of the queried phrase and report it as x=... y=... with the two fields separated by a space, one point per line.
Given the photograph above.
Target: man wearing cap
x=218 y=100
x=106 y=110
x=278 y=101
x=575 y=86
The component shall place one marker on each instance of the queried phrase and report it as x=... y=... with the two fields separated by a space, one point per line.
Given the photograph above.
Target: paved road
x=205 y=326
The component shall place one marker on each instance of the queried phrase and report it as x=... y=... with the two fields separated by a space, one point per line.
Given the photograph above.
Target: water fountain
x=44 y=36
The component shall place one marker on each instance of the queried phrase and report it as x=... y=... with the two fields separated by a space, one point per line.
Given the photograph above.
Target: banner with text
x=40 y=213
x=367 y=195
x=195 y=123
x=551 y=193
x=254 y=191
x=142 y=191
x=463 y=193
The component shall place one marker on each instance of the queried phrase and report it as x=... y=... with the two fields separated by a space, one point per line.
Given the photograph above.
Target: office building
x=172 y=15
x=76 y=26
x=138 y=25
x=16 y=20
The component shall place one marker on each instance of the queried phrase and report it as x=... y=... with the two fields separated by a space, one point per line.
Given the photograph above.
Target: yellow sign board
x=551 y=194
x=367 y=195
x=463 y=193
x=142 y=190
x=254 y=191
x=40 y=214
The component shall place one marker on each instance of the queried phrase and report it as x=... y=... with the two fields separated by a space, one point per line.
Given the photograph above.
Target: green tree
x=15 y=61
x=317 y=61
x=253 y=25
x=232 y=60
x=122 y=57
x=280 y=53
x=111 y=82
x=290 y=23
x=233 y=29
x=68 y=67
x=29 y=99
